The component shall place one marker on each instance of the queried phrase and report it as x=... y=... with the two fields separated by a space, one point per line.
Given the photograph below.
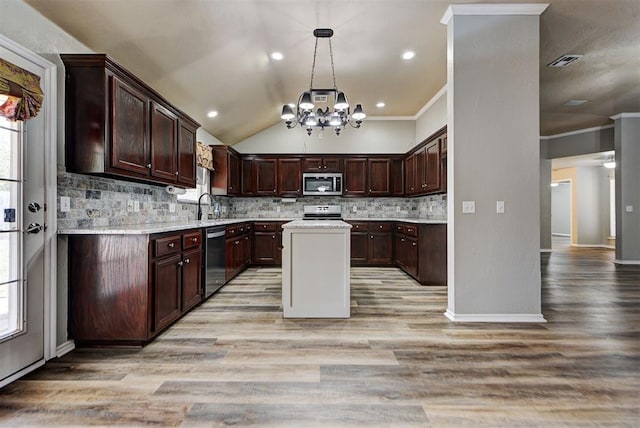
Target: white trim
x=493 y=9
x=432 y=101
x=390 y=118
x=546 y=250
x=534 y=318
x=624 y=116
x=17 y=375
x=579 y=131
x=49 y=87
x=65 y=348
x=611 y=247
x=627 y=262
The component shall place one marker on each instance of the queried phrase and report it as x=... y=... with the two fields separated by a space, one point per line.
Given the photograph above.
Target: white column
x=627 y=145
x=493 y=155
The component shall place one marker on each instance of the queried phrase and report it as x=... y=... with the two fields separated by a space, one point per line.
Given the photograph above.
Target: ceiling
x=207 y=55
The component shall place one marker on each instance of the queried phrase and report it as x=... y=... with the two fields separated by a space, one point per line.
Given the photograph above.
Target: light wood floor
x=397 y=362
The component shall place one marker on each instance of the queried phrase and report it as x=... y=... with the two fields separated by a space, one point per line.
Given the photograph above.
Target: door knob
x=34 y=207
x=34 y=228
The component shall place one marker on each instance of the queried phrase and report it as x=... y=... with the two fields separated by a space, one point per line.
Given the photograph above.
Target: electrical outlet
x=172 y=207
x=354 y=209
x=65 y=204
x=468 y=207
x=278 y=209
x=397 y=208
x=629 y=208
x=136 y=206
x=129 y=206
x=500 y=207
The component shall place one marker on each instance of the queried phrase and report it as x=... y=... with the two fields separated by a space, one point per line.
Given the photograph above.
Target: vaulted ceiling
x=205 y=55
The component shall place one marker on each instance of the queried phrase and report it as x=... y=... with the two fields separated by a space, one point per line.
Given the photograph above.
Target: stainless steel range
x=322 y=212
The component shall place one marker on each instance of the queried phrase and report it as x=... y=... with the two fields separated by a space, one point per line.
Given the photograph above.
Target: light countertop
x=144 y=229
x=316 y=224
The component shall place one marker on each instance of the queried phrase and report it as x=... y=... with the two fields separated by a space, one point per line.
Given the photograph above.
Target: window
x=202 y=186
x=11 y=271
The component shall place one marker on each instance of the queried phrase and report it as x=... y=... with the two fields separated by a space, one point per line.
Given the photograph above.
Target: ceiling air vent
x=320 y=98
x=564 y=60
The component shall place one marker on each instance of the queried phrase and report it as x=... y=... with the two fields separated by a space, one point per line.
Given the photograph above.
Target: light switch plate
x=130 y=206
x=468 y=207
x=354 y=209
x=629 y=208
x=172 y=207
x=65 y=204
x=136 y=206
x=500 y=207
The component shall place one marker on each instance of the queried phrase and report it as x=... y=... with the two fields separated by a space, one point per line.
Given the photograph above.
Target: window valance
x=20 y=94
x=204 y=156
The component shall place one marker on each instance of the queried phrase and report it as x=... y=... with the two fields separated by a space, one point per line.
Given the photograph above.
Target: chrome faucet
x=200 y=206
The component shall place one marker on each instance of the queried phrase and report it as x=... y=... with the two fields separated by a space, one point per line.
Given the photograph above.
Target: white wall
x=432 y=117
x=375 y=136
x=206 y=138
x=561 y=209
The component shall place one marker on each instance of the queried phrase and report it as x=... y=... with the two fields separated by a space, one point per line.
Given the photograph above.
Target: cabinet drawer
x=359 y=226
x=265 y=226
x=411 y=230
x=166 y=245
x=379 y=227
x=232 y=231
x=400 y=229
x=191 y=240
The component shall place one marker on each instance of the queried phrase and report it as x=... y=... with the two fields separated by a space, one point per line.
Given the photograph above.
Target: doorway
x=27 y=228
x=560 y=215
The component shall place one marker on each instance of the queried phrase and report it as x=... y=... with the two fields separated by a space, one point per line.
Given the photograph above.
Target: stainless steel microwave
x=322 y=184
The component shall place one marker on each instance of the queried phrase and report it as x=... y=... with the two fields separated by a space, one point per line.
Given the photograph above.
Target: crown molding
x=493 y=9
x=431 y=102
x=624 y=116
x=579 y=131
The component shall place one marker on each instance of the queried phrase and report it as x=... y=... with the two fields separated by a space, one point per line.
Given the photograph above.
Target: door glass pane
x=11 y=273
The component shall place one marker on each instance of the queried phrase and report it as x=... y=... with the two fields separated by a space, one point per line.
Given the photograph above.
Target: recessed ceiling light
x=212 y=114
x=380 y=104
x=278 y=56
x=573 y=103
x=408 y=55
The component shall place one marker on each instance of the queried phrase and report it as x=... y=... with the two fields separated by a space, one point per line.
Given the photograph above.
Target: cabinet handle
x=171 y=245
x=177 y=173
x=273 y=237
x=242 y=229
x=180 y=263
x=149 y=165
x=274 y=190
x=187 y=261
x=371 y=236
x=236 y=243
x=246 y=238
x=230 y=187
x=380 y=226
x=264 y=226
x=325 y=167
x=414 y=244
x=194 y=240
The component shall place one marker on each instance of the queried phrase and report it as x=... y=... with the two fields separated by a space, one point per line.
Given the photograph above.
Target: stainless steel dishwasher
x=214 y=267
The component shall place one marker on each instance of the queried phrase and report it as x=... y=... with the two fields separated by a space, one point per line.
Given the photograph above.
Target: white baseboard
x=65 y=348
x=610 y=247
x=627 y=262
x=545 y=250
x=534 y=318
x=7 y=380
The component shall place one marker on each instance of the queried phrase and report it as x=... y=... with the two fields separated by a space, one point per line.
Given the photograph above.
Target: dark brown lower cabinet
x=421 y=251
x=371 y=244
x=359 y=248
x=267 y=243
x=238 y=249
x=125 y=289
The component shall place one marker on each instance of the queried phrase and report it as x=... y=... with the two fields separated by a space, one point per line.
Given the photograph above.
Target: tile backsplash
x=100 y=201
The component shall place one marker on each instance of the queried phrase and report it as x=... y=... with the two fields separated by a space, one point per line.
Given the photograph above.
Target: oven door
x=322 y=184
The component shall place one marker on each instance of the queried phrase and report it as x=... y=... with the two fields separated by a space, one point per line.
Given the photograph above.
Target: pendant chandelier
x=306 y=113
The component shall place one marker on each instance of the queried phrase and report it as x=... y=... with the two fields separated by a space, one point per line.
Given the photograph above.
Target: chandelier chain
x=333 y=71
x=313 y=67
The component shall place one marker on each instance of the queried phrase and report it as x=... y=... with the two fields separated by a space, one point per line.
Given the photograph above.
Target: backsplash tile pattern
x=100 y=201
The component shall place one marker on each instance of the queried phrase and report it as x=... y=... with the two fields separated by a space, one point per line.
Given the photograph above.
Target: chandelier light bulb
x=287 y=112
x=358 y=113
x=335 y=120
x=305 y=102
x=341 y=102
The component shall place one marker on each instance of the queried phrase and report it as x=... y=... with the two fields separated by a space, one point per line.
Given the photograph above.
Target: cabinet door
x=410 y=174
x=359 y=245
x=164 y=143
x=229 y=268
x=355 y=177
x=238 y=256
x=443 y=163
x=247 y=177
x=233 y=186
x=432 y=179
x=411 y=256
x=379 y=177
x=289 y=177
x=265 y=176
x=421 y=171
x=397 y=177
x=166 y=290
x=191 y=279
x=401 y=251
x=129 y=114
x=312 y=165
x=331 y=165
x=265 y=247
x=187 y=156
x=246 y=251
x=380 y=248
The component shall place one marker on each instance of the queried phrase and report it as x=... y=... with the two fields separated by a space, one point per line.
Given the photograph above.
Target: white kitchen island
x=316 y=259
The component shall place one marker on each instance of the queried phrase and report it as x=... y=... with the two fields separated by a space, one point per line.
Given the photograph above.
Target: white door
x=22 y=237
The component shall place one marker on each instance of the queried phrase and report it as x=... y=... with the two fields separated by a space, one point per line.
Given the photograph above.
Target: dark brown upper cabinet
x=355 y=177
x=116 y=125
x=289 y=177
x=379 y=177
x=432 y=174
x=424 y=166
x=225 y=180
x=322 y=164
x=265 y=173
x=246 y=183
